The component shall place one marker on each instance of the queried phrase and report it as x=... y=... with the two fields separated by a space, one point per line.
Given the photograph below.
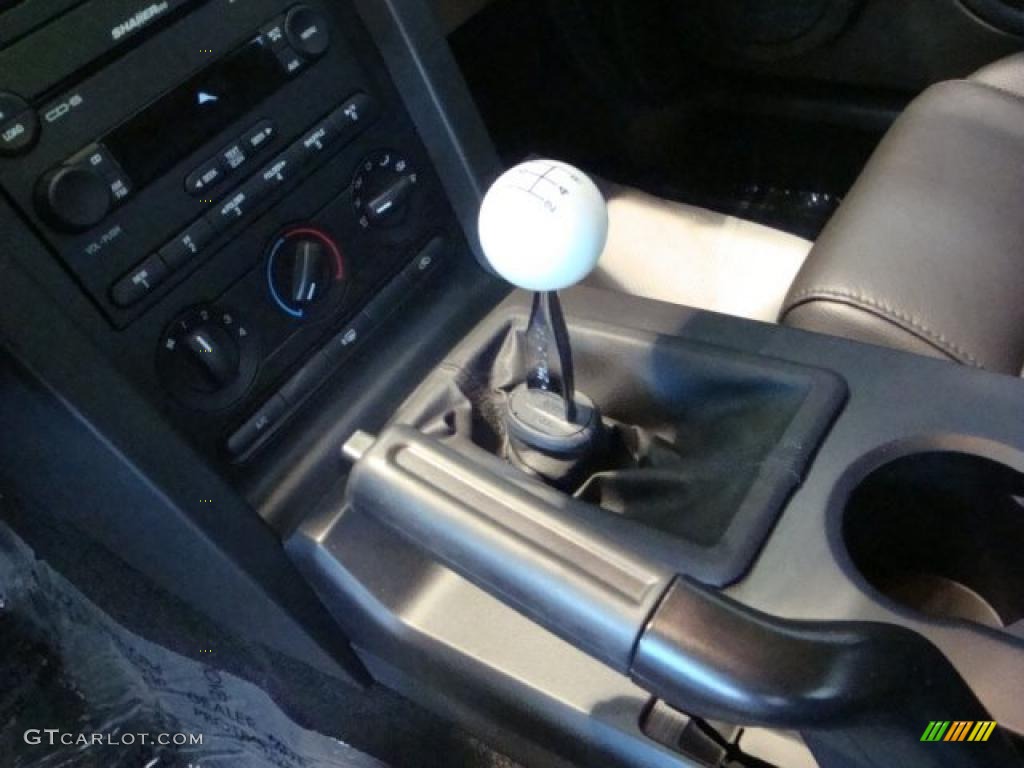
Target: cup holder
x=942 y=534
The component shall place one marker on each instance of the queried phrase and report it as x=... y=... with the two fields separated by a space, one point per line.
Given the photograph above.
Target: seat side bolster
x=926 y=254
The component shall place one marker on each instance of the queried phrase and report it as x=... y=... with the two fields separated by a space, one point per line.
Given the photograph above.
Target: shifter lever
x=543 y=227
x=547 y=334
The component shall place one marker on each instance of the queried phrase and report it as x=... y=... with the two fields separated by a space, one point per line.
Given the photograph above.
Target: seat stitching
x=1017 y=95
x=895 y=316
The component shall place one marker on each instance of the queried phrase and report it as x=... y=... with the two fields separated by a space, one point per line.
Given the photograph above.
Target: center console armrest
x=860 y=693
x=514 y=544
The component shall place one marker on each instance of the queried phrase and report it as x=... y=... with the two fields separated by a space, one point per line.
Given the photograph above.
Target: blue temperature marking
x=270 y=282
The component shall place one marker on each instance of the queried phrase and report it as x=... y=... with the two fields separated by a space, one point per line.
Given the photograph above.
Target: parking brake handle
x=861 y=694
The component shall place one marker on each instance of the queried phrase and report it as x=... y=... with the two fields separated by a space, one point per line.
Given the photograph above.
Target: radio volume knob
x=73 y=198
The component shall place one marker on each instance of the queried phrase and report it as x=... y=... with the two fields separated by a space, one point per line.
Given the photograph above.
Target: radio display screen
x=179 y=122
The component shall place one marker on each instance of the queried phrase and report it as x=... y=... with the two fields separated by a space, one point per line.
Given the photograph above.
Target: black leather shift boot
x=703 y=445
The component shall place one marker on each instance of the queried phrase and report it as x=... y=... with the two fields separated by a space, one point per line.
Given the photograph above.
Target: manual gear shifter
x=543 y=227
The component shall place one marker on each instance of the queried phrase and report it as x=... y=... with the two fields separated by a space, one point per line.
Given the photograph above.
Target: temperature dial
x=383 y=189
x=208 y=358
x=304 y=267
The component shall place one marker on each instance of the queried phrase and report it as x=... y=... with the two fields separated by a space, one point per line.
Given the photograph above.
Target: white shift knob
x=543 y=225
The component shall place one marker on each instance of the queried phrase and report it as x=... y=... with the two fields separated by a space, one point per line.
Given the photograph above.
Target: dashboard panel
x=234 y=185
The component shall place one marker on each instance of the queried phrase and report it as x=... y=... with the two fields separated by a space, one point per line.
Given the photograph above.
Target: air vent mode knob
x=73 y=198
x=383 y=189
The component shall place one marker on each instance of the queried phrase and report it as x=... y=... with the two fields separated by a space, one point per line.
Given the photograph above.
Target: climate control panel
x=275 y=408
x=241 y=217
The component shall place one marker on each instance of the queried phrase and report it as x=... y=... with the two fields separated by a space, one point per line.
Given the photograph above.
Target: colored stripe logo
x=958 y=730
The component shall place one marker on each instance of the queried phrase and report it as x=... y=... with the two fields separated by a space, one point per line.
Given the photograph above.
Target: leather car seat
x=926 y=254
x=680 y=254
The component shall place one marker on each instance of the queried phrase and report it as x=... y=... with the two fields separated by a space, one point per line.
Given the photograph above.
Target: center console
x=239 y=233
x=885 y=509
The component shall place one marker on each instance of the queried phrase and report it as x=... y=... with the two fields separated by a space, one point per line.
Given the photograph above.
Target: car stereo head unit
x=234 y=184
x=121 y=174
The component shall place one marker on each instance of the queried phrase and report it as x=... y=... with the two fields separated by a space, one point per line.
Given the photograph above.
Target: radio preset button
x=139 y=283
x=352 y=116
x=257 y=189
x=231 y=209
x=259 y=137
x=316 y=141
x=306 y=30
x=187 y=244
x=280 y=171
x=209 y=174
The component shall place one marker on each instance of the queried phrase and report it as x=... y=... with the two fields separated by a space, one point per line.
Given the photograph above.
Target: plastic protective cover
x=66 y=665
